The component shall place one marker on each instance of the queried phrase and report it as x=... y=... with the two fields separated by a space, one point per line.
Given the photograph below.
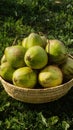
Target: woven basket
x=37 y=95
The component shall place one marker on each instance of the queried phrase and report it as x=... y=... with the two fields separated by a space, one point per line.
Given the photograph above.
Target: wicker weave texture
x=37 y=95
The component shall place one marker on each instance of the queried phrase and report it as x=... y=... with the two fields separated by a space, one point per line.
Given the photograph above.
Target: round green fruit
x=6 y=71
x=25 y=77
x=67 y=69
x=36 y=57
x=33 y=40
x=50 y=76
x=56 y=51
x=24 y=43
x=44 y=39
x=15 y=56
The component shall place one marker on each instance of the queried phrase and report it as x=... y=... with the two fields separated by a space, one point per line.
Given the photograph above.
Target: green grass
x=57 y=115
x=19 y=18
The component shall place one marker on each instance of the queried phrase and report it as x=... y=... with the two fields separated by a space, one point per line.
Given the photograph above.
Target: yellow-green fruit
x=33 y=40
x=6 y=71
x=50 y=76
x=24 y=43
x=15 y=56
x=36 y=57
x=25 y=77
x=44 y=40
x=67 y=69
x=3 y=59
x=56 y=51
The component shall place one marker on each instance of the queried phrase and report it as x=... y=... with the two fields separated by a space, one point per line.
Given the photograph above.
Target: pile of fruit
x=37 y=61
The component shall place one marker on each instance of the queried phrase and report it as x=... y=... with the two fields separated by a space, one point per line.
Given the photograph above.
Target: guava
x=36 y=57
x=43 y=37
x=6 y=71
x=33 y=39
x=15 y=56
x=24 y=42
x=25 y=77
x=50 y=76
x=67 y=69
x=57 y=51
x=3 y=59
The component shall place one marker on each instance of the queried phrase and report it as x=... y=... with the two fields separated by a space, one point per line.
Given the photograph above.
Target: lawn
x=53 y=18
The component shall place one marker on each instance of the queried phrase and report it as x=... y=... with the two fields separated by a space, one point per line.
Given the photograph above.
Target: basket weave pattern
x=37 y=95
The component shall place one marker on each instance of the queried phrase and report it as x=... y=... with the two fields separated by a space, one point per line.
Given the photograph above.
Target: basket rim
x=37 y=89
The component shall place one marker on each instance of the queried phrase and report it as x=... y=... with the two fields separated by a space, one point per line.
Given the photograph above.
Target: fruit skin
x=3 y=59
x=25 y=77
x=36 y=57
x=67 y=69
x=33 y=40
x=56 y=51
x=6 y=71
x=43 y=37
x=24 y=42
x=50 y=76
x=15 y=55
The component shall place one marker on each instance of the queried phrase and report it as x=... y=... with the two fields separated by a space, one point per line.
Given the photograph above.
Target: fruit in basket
x=33 y=39
x=67 y=69
x=24 y=42
x=36 y=57
x=50 y=76
x=3 y=59
x=43 y=37
x=25 y=77
x=15 y=55
x=6 y=71
x=56 y=51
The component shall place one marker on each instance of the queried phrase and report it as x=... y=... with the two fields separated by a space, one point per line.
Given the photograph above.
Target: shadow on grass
x=32 y=115
x=64 y=104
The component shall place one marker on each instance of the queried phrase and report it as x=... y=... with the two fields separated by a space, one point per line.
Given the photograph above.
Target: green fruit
x=36 y=57
x=6 y=71
x=67 y=69
x=33 y=40
x=44 y=40
x=15 y=55
x=56 y=51
x=25 y=77
x=3 y=59
x=50 y=76
x=24 y=42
